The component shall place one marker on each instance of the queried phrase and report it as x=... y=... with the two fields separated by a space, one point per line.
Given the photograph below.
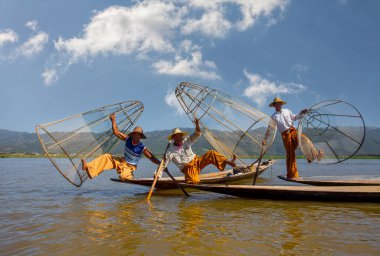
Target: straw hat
x=177 y=131
x=138 y=129
x=275 y=100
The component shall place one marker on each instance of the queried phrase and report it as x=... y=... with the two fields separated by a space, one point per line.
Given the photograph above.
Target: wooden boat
x=314 y=193
x=330 y=181
x=209 y=178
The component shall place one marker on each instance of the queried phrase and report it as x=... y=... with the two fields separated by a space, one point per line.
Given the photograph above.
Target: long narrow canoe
x=331 y=181
x=209 y=178
x=313 y=193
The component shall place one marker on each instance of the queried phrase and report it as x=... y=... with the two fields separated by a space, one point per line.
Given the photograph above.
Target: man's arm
x=193 y=137
x=151 y=157
x=115 y=129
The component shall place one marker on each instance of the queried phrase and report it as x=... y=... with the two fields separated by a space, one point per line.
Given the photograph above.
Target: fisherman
x=125 y=166
x=284 y=120
x=190 y=164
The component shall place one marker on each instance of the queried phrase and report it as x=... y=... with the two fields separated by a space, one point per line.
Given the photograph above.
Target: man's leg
x=125 y=170
x=290 y=143
x=191 y=171
x=98 y=165
x=217 y=159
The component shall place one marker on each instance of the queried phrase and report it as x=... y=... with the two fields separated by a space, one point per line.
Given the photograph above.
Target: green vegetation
x=21 y=155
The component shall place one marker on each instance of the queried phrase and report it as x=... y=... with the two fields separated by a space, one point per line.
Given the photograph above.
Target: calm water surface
x=42 y=214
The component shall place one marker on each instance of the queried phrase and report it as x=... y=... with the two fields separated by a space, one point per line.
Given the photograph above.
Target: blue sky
x=59 y=58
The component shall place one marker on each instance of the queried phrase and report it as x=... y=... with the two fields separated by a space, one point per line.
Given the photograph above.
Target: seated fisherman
x=125 y=166
x=190 y=164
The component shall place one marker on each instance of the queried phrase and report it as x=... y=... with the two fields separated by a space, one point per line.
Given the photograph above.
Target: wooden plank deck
x=314 y=193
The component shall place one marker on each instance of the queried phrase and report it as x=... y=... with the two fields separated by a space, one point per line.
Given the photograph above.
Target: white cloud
x=172 y=101
x=260 y=88
x=252 y=10
x=159 y=31
x=32 y=25
x=141 y=28
x=214 y=22
x=193 y=66
x=211 y=24
x=299 y=70
x=34 y=45
x=50 y=76
x=8 y=36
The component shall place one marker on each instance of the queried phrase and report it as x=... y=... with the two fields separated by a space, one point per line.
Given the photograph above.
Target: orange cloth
x=192 y=169
x=290 y=140
x=107 y=162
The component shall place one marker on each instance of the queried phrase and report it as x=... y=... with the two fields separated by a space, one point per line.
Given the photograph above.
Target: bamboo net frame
x=85 y=135
x=331 y=132
x=230 y=125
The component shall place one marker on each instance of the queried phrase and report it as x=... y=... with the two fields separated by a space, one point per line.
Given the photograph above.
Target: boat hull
x=319 y=182
x=298 y=193
x=209 y=178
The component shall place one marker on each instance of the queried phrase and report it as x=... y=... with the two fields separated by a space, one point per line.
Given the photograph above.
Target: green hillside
x=22 y=142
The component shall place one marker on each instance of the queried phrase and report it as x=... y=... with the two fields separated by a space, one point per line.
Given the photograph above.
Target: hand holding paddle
x=158 y=172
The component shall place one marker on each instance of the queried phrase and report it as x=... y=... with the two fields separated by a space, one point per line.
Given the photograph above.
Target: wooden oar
x=258 y=167
x=158 y=172
x=176 y=182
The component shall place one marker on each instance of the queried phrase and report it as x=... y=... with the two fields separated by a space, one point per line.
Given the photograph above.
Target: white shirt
x=181 y=155
x=284 y=119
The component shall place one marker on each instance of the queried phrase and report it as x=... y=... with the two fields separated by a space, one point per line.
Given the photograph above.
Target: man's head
x=137 y=134
x=177 y=135
x=277 y=103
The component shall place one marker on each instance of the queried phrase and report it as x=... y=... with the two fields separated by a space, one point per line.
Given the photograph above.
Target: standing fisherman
x=125 y=166
x=284 y=119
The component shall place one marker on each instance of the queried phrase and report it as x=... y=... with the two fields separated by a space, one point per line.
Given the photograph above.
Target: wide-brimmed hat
x=275 y=100
x=177 y=131
x=138 y=129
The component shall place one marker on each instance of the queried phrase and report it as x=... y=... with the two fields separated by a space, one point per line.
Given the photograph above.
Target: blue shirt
x=133 y=153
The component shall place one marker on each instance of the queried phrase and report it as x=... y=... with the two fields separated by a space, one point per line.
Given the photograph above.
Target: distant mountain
x=23 y=142
x=19 y=142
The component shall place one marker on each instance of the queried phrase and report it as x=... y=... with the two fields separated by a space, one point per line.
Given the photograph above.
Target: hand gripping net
x=228 y=124
x=331 y=132
x=85 y=135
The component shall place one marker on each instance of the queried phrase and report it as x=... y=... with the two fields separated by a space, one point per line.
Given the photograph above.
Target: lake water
x=42 y=214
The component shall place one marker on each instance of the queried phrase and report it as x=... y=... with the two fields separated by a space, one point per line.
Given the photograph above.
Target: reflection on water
x=41 y=213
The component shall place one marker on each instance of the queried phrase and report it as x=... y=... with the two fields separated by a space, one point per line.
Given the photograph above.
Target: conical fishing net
x=85 y=135
x=229 y=125
x=332 y=131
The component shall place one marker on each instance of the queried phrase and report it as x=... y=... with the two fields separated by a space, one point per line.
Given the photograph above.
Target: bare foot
x=232 y=162
x=85 y=168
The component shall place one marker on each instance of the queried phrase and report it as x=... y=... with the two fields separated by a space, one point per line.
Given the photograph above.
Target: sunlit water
x=42 y=214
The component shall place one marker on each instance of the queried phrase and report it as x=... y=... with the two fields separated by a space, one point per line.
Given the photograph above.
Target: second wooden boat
x=335 y=181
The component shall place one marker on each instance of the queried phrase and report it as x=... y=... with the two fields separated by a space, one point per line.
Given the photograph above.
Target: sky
x=60 y=58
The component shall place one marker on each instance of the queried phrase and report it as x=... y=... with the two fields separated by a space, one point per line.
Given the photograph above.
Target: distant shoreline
x=28 y=155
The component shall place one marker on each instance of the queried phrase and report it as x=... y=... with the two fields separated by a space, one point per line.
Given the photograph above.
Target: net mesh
x=85 y=135
x=331 y=132
x=228 y=124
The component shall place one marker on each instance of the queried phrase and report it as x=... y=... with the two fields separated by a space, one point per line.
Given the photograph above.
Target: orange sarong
x=192 y=169
x=107 y=162
x=290 y=140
